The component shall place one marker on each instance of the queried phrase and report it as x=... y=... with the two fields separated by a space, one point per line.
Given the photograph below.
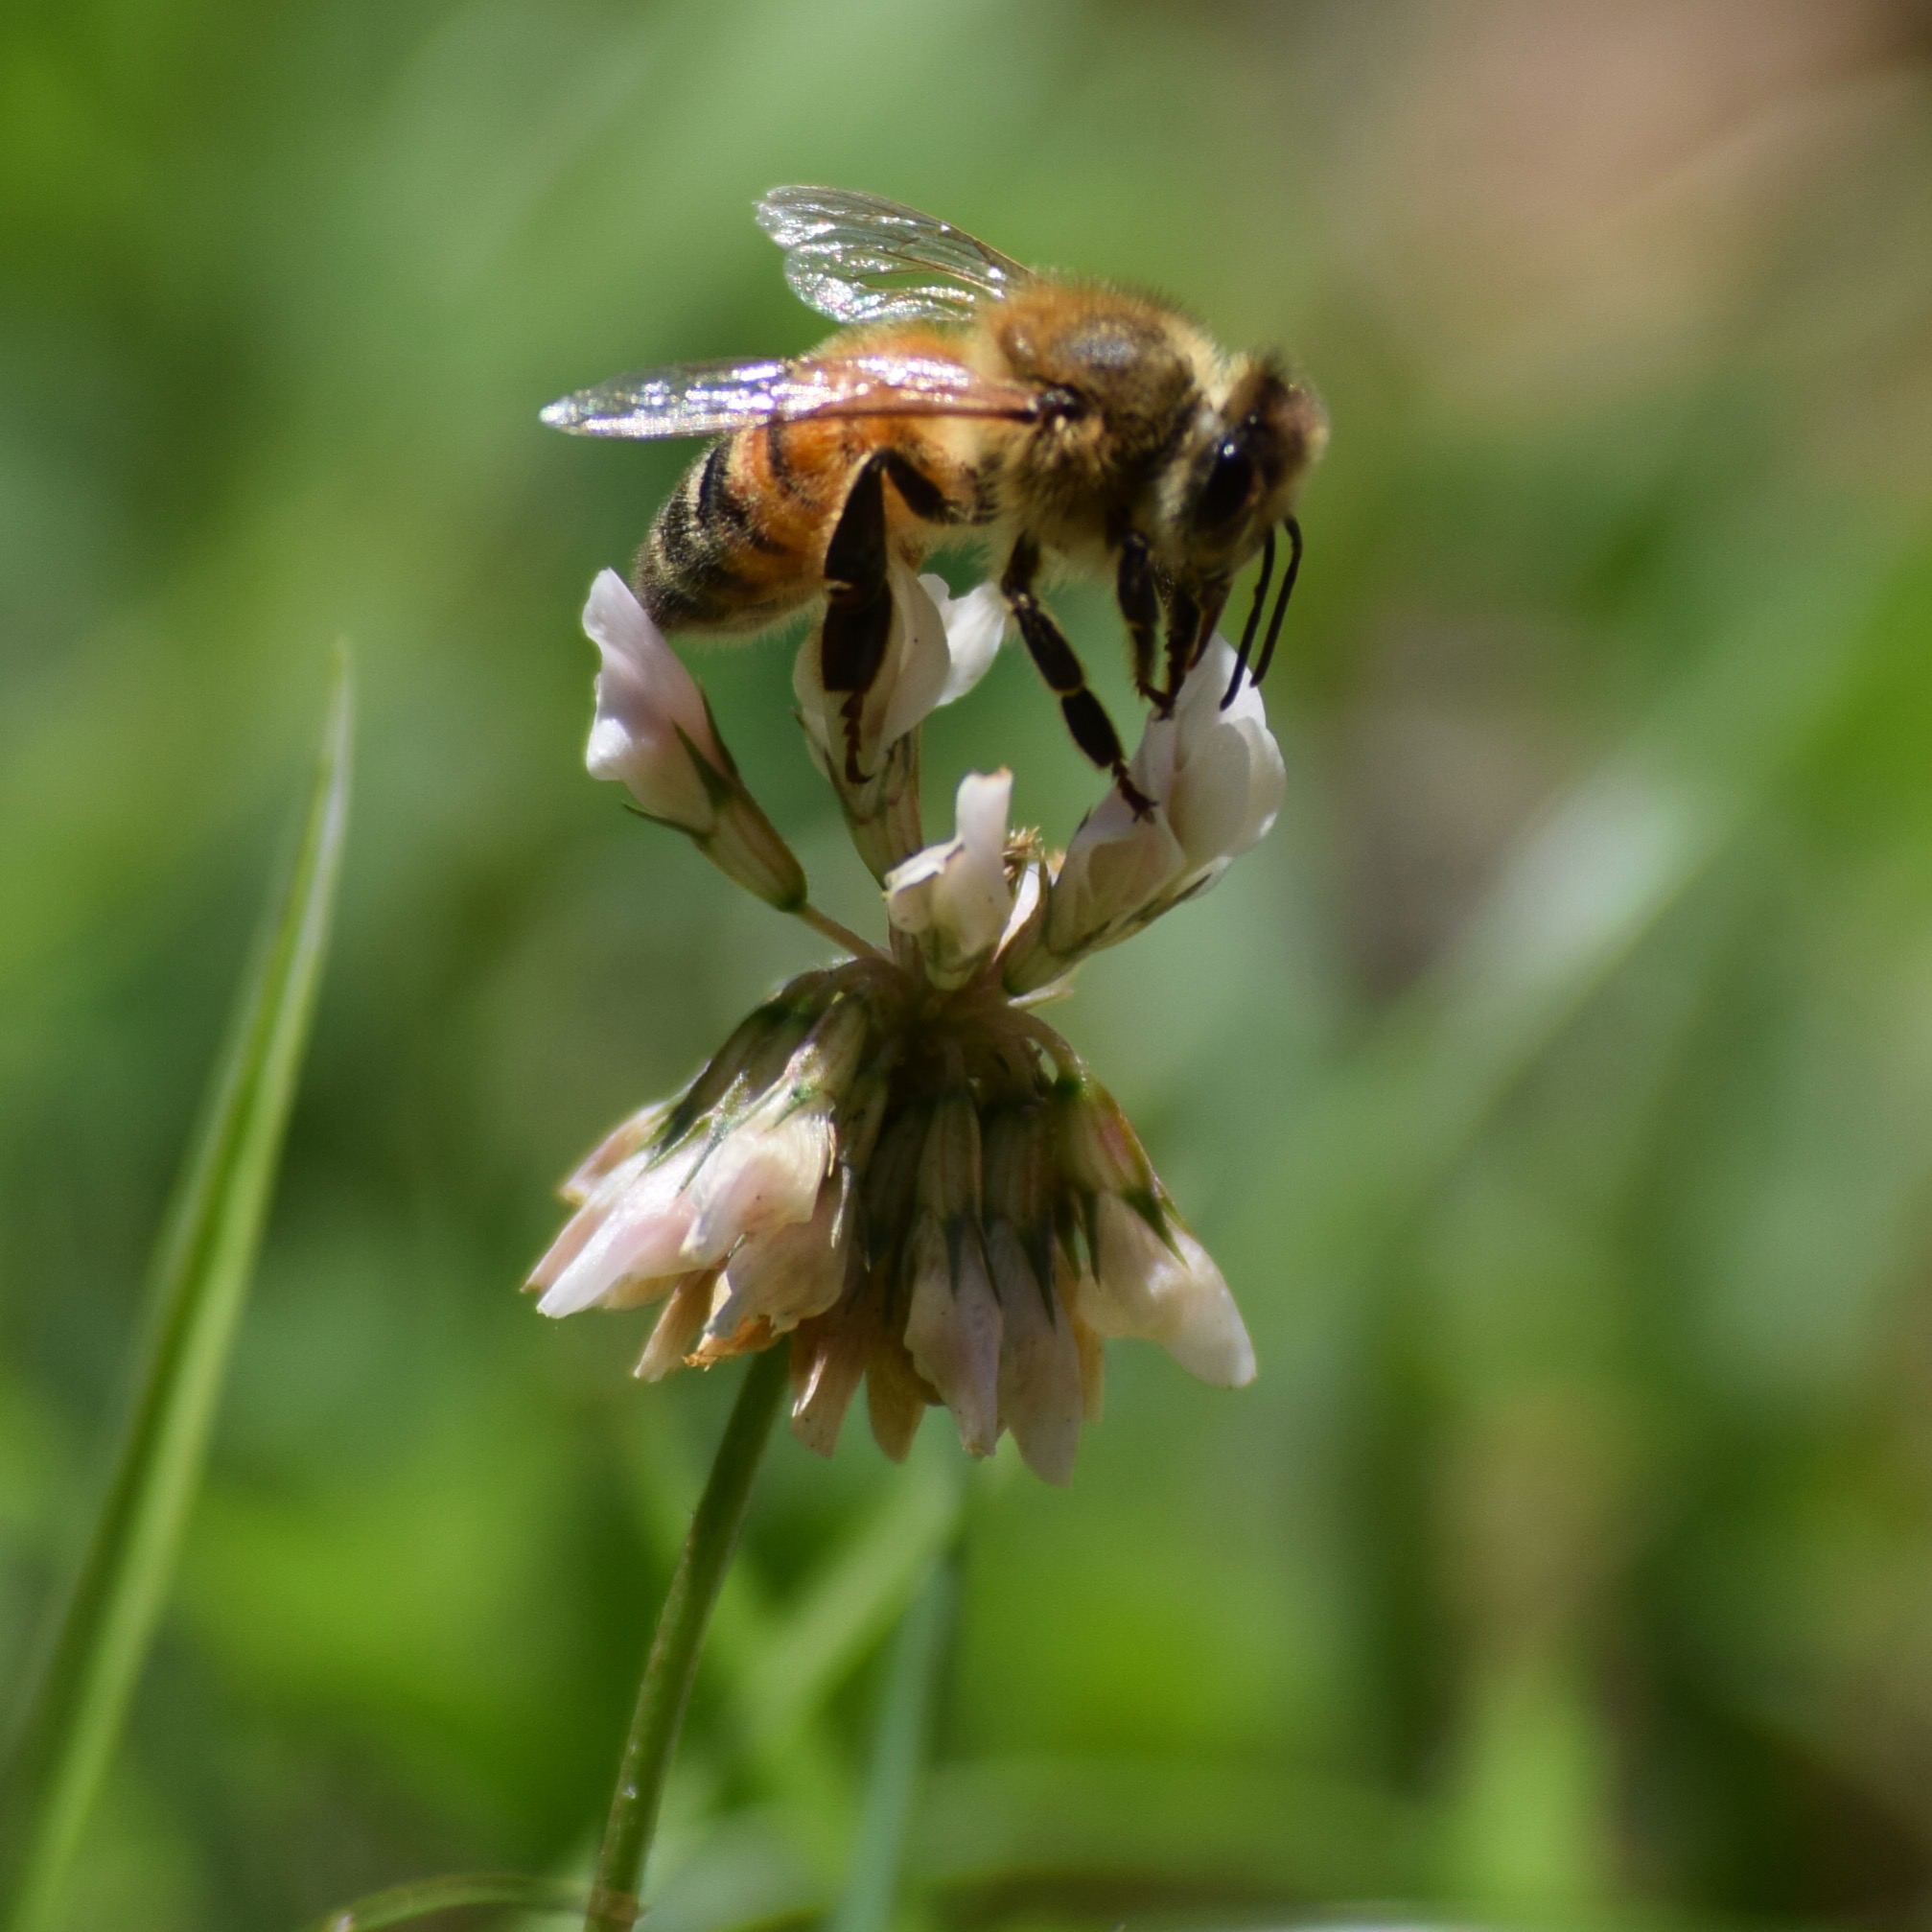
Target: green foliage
x=203 y=1267
x=1553 y=1085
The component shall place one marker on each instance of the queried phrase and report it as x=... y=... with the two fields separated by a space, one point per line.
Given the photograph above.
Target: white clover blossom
x=955 y=897
x=893 y=1167
x=1216 y=779
x=654 y=734
x=937 y=649
x=1227 y=778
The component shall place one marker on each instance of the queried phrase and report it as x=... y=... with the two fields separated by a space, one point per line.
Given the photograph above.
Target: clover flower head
x=893 y=1167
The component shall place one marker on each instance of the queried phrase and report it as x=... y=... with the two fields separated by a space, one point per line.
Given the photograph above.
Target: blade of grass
x=200 y=1279
x=1585 y=888
x=850 y=1604
x=898 y=1755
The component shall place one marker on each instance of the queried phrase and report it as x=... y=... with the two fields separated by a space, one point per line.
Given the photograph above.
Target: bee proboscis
x=968 y=395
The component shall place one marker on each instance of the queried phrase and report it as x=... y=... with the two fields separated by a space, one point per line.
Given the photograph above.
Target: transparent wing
x=708 y=398
x=860 y=258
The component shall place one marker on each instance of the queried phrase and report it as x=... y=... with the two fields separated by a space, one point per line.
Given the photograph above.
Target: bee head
x=1249 y=459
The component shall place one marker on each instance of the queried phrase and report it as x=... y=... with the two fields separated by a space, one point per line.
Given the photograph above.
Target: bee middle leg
x=1085 y=716
x=858 y=602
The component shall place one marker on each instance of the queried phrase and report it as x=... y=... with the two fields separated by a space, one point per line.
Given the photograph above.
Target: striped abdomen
x=742 y=541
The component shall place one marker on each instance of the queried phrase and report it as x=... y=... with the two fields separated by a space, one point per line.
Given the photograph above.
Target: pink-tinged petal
x=1040 y=1378
x=641 y=1236
x=828 y=1356
x=953 y=1331
x=896 y=1398
x=764 y=1173
x=786 y=1274
x=1092 y=1352
x=625 y=1141
x=594 y=1210
x=678 y=1326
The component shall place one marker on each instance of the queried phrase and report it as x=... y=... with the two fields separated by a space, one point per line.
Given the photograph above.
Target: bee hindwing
x=857 y=258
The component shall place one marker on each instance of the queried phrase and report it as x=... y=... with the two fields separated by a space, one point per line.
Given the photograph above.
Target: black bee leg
x=1140 y=607
x=1085 y=717
x=1183 y=641
x=858 y=603
x=923 y=497
x=858 y=600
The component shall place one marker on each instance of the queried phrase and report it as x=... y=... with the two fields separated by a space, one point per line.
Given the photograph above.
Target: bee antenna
x=1294 y=530
x=1253 y=619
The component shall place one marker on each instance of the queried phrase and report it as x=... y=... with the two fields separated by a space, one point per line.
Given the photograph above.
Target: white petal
x=809 y=690
x=1025 y=903
x=645 y=698
x=974 y=626
x=1092 y=1353
x=955 y=895
x=1228 y=777
x=1039 y=1375
x=1116 y=865
x=1216 y=780
x=912 y=674
x=1208 y=1336
x=1174 y=1296
x=953 y=1332
x=917 y=660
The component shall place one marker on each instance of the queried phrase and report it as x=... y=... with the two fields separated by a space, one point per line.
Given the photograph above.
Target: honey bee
x=967 y=396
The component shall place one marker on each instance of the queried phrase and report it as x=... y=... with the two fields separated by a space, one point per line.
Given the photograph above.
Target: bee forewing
x=708 y=399
x=849 y=255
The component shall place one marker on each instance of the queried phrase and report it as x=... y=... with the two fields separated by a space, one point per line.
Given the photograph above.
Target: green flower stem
x=839 y=935
x=673 y=1661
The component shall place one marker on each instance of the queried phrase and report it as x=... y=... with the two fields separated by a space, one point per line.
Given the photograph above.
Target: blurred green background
x=1554 y=1086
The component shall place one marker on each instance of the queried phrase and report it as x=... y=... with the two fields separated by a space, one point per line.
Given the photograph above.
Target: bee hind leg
x=1046 y=642
x=858 y=604
x=858 y=600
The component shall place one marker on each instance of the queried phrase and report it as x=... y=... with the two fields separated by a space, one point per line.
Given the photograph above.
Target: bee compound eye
x=1229 y=482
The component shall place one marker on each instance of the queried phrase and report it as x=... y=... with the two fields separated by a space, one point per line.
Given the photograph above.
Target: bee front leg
x=1140 y=607
x=1185 y=637
x=1085 y=716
